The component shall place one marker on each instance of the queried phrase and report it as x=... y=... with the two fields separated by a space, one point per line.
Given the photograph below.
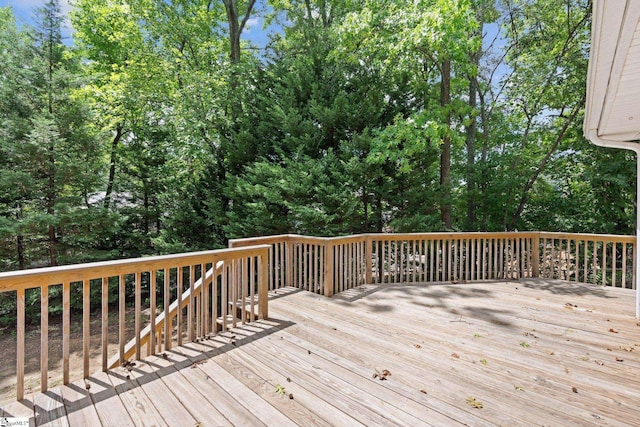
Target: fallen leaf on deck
x=518 y=388
x=573 y=389
x=600 y=362
x=569 y=305
x=280 y=389
x=455 y=355
x=471 y=401
x=423 y=391
x=417 y=346
x=619 y=359
x=626 y=348
x=613 y=330
x=524 y=344
x=484 y=362
x=291 y=396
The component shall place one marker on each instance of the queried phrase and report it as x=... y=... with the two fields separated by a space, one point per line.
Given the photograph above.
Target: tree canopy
x=164 y=128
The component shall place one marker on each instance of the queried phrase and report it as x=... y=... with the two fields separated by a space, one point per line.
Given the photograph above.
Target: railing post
x=368 y=256
x=288 y=250
x=263 y=286
x=328 y=269
x=535 y=256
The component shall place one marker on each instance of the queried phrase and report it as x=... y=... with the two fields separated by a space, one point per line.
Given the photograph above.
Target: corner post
x=535 y=255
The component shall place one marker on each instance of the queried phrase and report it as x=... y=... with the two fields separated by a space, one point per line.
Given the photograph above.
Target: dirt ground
x=32 y=351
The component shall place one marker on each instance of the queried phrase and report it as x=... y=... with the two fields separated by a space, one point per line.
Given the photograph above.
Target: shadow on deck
x=523 y=352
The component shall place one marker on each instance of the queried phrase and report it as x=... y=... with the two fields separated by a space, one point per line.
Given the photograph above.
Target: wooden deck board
x=518 y=347
x=451 y=376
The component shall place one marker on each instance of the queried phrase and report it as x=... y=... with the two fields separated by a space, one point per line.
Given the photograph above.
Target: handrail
x=444 y=256
x=233 y=289
x=219 y=288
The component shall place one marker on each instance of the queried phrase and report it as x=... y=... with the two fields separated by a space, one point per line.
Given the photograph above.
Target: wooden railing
x=330 y=265
x=189 y=296
x=607 y=260
x=193 y=295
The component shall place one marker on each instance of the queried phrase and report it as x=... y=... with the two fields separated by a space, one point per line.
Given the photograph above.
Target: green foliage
x=151 y=135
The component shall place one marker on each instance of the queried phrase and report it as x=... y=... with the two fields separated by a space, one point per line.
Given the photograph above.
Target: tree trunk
x=524 y=197
x=112 y=166
x=470 y=142
x=20 y=240
x=445 y=154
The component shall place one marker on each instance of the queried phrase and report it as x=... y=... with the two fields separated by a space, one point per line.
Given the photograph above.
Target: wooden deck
x=530 y=353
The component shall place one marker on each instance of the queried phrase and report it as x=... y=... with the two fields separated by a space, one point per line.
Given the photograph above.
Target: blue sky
x=24 y=11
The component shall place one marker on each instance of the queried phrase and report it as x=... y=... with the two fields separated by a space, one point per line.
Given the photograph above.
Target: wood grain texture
x=556 y=352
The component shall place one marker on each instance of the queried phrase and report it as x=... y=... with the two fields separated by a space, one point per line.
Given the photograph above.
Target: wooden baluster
x=191 y=333
x=66 y=330
x=343 y=263
x=351 y=265
x=243 y=289
x=634 y=247
x=44 y=337
x=86 y=325
x=623 y=284
x=166 y=303
x=604 y=263
x=234 y=289
x=613 y=264
x=137 y=312
x=252 y=288
x=300 y=258
x=455 y=258
x=272 y=270
x=594 y=266
x=474 y=247
x=314 y=267
x=205 y=324
x=105 y=323
x=179 y=284
x=321 y=283
x=214 y=295
x=276 y=265
x=152 y=313
x=585 y=262
x=122 y=317
x=263 y=305
x=224 y=303
x=20 y=344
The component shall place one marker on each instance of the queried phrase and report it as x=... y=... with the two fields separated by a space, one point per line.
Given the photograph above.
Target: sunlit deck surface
x=530 y=352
